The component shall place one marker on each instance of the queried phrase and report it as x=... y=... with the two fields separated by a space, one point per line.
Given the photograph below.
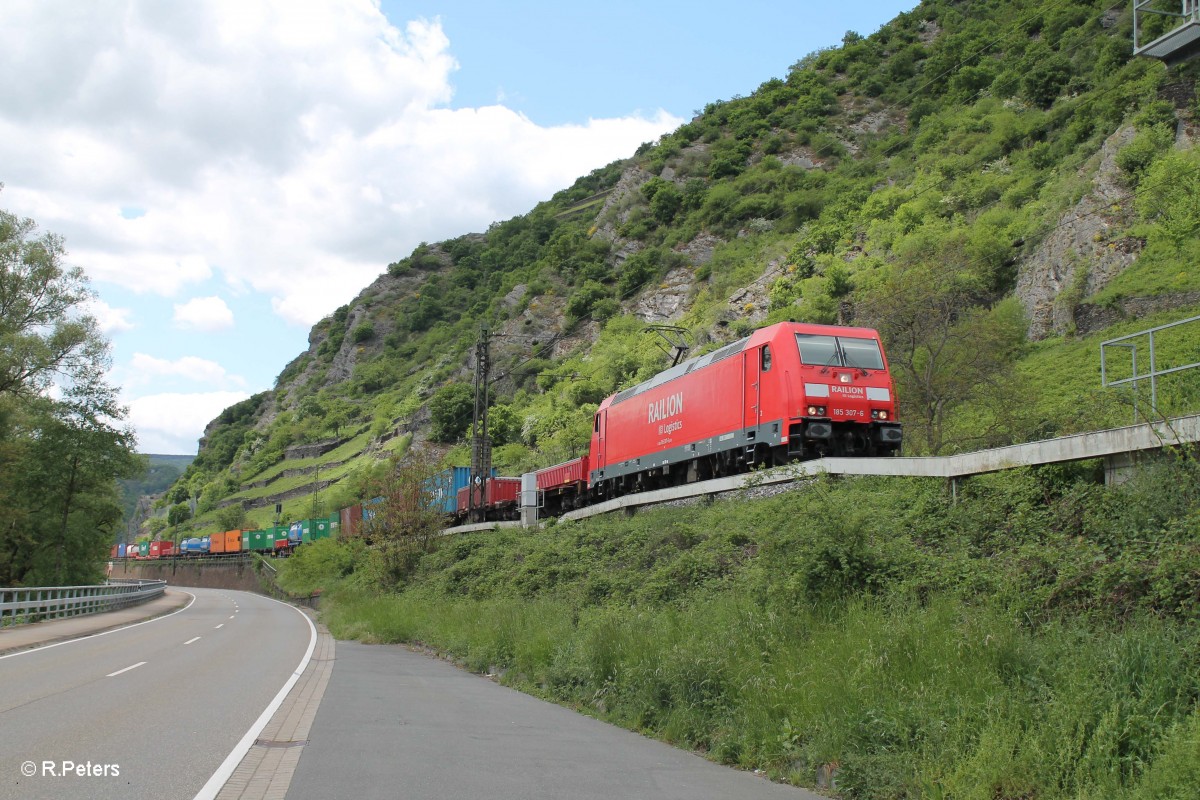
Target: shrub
x=580 y=304
x=363 y=333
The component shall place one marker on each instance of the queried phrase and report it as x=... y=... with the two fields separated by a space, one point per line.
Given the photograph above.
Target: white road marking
x=103 y=633
x=193 y=639
x=222 y=625
x=231 y=616
x=118 y=672
x=209 y=790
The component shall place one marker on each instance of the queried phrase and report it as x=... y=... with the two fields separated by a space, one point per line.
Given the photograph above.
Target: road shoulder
x=266 y=770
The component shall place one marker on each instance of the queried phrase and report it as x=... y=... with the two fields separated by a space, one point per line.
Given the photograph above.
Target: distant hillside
x=161 y=472
x=994 y=186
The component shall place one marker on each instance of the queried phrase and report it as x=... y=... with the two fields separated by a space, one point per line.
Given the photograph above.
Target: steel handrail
x=37 y=603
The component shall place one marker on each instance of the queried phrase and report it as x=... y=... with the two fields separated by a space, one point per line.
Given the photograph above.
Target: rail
x=35 y=604
x=1130 y=342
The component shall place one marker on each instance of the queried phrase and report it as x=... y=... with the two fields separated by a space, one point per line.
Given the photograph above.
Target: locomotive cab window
x=839 y=351
x=597 y=423
x=861 y=353
x=818 y=350
x=765 y=350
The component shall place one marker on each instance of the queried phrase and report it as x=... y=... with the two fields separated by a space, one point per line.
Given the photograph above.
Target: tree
x=232 y=517
x=61 y=452
x=451 y=409
x=76 y=455
x=41 y=332
x=943 y=348
x=179 y=514
x=406 y=520
x=179 y=493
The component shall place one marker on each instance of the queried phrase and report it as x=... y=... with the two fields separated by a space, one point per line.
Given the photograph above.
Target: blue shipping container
x=368 y=513
x=443 y=487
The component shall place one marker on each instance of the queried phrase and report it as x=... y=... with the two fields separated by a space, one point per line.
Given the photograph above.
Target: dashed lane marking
x=118 y=672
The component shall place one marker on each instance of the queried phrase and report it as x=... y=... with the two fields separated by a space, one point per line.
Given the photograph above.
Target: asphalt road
x=397 y=724
x=150 y=711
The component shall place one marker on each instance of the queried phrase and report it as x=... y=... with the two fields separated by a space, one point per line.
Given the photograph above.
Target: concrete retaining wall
x=198 y=572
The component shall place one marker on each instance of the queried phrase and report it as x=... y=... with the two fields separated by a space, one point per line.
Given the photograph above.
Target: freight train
x=280 y=540
x=787 y=392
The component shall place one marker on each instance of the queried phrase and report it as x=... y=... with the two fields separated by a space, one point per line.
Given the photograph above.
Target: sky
x=228 y=172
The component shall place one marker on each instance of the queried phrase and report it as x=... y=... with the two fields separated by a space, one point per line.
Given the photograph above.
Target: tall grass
x=908 y=700
x=1036 y=640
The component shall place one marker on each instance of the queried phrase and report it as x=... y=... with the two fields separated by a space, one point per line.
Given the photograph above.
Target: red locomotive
x=786 y=392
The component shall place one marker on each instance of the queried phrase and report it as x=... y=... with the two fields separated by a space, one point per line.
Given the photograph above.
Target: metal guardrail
x=35 y=604
x=1173 y=46
x=1155 y=372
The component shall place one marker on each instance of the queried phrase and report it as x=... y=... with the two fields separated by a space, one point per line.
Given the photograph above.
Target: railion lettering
x=668 y=406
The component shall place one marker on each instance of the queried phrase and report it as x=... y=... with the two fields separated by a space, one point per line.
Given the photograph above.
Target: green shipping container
x=315 y=529
x=261 y=540
x=144 y=549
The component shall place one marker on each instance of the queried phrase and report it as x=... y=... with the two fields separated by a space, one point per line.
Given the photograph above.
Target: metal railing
x=1172 y=46
x=35 y=604
x=1155 y=372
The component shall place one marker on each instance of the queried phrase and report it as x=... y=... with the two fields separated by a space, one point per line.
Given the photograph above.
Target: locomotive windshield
x=839 y=351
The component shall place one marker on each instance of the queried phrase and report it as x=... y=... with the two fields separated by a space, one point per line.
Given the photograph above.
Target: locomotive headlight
x=816 y=411
x=845 y=377
x=879 y=414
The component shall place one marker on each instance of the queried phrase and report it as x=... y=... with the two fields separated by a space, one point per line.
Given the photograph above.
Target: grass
x=908 y=700
x=1159 y=270
x=1072 y=366
x=1035 y=640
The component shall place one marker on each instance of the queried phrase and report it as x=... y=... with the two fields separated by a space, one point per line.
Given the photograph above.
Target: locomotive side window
x=766 y=357
x=861 y=353
x=819 y=350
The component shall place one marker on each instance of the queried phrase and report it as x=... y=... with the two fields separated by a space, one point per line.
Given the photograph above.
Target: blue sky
x=227 y=173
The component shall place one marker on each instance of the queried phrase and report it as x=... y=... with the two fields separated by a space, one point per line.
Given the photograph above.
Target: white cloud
x=111 y=320
x=172 y=424
x=203 y=314
x=292 y=148
x=144 y=369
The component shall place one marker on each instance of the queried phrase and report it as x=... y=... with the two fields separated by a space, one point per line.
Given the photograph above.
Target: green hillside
x=988 y=184
x=998 y=187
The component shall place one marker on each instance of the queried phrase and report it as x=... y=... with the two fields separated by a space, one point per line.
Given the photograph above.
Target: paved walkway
x=23 y=637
